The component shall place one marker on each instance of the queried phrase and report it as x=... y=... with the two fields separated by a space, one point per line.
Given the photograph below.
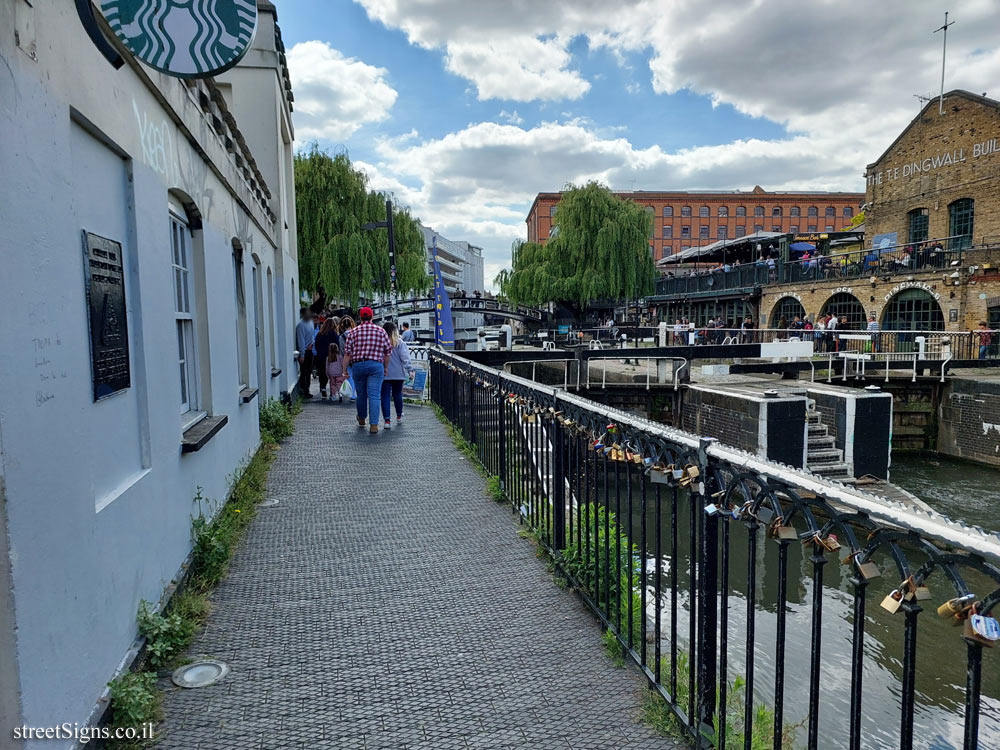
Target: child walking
x=335 y=372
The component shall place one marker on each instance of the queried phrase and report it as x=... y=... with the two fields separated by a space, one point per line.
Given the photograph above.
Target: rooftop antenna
x=923 y=99
x=944 y=51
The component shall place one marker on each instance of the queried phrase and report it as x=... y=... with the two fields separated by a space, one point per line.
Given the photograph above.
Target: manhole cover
x=200 y=673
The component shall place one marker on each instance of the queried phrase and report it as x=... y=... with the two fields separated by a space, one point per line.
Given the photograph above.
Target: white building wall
x=98 y=496
x=462 y=269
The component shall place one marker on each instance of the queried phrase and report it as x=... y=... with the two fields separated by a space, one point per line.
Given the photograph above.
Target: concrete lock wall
x=969 y=423
x=861 y=425
x=771 y=428
x=98 y=494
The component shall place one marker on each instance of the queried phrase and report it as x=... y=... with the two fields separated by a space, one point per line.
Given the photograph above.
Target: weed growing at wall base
x=135 y=701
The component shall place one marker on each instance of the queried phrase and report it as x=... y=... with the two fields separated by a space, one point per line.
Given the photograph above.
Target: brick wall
x=971 y=297
x=969 y=424
x=731 y=419
x=964 y=132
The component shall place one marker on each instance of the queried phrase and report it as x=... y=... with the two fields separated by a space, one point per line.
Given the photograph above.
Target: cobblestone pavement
x=387 y=602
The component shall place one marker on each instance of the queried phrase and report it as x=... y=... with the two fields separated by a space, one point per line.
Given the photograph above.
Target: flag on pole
x=444 y=328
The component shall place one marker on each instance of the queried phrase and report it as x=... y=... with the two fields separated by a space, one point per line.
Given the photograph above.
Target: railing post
x=558 y=487
x=708 y=601
x=502 y=431
x=472 y=410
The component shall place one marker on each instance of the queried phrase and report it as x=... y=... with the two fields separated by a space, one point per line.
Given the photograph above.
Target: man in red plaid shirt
x=366 y=352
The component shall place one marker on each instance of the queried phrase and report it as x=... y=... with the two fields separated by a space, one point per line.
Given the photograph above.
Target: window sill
x=247 y=395
x=275 y=372
x=196 y=437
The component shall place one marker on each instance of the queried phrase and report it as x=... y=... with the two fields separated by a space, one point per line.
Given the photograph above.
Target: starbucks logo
x=184 y=38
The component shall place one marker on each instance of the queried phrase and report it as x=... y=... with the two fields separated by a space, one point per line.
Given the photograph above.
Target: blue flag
x=444 y=328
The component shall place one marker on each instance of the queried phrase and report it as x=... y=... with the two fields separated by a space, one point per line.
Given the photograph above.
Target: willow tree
x=332 y=202
x=599 y=250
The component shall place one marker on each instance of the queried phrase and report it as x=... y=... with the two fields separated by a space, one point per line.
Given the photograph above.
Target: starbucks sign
x=184 y=38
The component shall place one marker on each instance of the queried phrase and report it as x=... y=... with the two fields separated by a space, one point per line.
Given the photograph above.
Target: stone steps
x=824 y=456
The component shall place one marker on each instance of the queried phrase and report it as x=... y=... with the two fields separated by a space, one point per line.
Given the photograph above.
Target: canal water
x=941 y=652
x=958 y=489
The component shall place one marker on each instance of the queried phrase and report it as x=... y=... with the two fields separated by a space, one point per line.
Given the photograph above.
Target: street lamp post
x=392 y=254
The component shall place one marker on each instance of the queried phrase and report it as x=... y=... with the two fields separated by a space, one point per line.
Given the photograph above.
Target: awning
x=697 y=252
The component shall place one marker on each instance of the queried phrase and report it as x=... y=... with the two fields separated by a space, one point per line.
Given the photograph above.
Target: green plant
x=495 y=489
x=165 y=634
x=134 y=700
x=276 y=422
x=613 y=648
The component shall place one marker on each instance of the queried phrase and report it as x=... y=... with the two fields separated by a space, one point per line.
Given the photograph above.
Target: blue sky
x=466 y=109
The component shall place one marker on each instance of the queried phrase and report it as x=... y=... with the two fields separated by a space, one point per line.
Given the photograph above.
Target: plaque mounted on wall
x=105 y=279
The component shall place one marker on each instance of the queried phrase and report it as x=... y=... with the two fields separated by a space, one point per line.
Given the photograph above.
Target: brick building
x=938 y=179
x=692 y=219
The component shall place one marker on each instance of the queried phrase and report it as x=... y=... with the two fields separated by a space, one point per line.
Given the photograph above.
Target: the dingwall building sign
x=184 y=38
x=936 y=161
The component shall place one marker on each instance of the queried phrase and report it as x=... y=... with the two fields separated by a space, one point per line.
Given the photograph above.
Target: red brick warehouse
x=684 y=219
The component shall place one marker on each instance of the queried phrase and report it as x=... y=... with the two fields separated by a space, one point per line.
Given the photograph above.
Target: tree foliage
x=332 y=201
x=859 y=218
x=599 y=250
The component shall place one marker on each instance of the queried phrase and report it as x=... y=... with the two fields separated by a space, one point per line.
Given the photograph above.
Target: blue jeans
x=393 y=388
x=368 y=382
x=984 y=351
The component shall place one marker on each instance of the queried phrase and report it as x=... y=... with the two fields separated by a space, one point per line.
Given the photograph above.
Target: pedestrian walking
x=304 y=342
x=335 y=371
x=407 y=335
x=327 y=336
x=346 y=324
x=396 y=371
x=366 y=353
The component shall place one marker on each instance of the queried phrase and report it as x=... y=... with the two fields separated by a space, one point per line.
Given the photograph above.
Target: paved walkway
x=387 y=602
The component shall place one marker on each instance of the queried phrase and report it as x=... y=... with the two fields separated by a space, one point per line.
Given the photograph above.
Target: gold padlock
x=783 y=533
x=892 y=602
x=955 y=607
x=868 y=570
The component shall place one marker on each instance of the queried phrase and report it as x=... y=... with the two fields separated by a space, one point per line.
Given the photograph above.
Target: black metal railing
x=710 y=566
x=932 y=255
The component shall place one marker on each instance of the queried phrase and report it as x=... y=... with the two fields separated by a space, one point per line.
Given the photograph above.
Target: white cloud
x=512 y=117
x=335 y=95
x=839 y=76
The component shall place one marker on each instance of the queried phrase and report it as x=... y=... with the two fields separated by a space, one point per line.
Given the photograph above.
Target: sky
x=466 y=109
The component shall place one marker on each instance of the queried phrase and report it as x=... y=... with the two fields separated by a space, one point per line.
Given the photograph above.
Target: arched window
x=846 y=305
x=723 y=210
x=758 y=211
x=917 y=222
x=848 y=212
x=796 y=211
x=703 y=211
x=741 y=210
x=913 y=310
x=831 y=211
x=960 y=222
x=668 y=211
x=813 y=211
x=787 y=308
x=776 y=211
x=685 y=210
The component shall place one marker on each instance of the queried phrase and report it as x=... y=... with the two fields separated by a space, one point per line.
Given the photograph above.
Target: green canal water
x=960 y=490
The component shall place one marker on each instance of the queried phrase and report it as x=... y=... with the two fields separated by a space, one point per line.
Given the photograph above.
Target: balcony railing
x=712 y=568
x=947 y=252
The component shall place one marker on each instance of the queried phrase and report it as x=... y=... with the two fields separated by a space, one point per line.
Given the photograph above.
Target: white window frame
x=182 y=262
x=240 y=298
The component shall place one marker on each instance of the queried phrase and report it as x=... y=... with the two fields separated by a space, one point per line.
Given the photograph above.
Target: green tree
x=332 y=202
x=599 y=250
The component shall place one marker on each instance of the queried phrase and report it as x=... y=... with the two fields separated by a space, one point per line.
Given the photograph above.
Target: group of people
x=366 y=361
x=715 y=331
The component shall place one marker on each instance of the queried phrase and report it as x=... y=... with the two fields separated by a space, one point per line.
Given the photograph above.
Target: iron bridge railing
x=710 y=566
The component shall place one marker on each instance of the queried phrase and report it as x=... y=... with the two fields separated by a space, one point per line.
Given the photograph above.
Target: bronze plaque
x=105 y=275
